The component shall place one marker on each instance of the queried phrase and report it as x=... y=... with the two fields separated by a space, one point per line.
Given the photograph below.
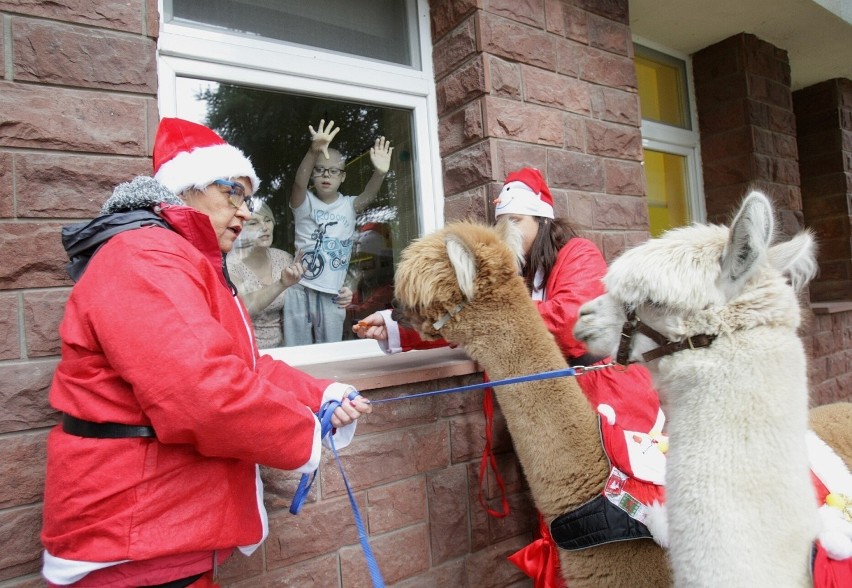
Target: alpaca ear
x=750 y=235
x=464 y=264
x=796 y=259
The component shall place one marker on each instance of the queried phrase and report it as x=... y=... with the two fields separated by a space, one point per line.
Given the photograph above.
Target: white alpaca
x=740 y=505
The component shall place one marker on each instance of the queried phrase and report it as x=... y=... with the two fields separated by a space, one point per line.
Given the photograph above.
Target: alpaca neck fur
x=542 y=414
x=737 y=416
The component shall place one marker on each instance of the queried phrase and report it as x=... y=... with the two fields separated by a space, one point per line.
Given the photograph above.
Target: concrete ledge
x=398 y=369
x=831 y=307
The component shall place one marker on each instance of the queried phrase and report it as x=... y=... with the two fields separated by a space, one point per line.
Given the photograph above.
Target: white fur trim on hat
x=199 y=167
x=518 y=198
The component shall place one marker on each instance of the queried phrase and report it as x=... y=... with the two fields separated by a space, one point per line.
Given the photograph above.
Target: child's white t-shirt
x=325 y=268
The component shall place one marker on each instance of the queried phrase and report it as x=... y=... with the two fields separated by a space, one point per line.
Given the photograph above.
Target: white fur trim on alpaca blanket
x=835 y=533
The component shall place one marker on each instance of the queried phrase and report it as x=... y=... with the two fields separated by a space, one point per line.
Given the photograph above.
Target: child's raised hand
x=380 y=155
x=323 y=136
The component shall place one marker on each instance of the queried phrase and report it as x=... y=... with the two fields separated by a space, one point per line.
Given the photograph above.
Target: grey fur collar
x=142 y=192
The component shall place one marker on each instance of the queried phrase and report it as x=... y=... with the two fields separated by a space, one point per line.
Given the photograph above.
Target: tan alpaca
x=553 y=427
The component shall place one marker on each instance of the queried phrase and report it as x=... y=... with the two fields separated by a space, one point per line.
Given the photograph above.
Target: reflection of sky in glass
x=189 y=107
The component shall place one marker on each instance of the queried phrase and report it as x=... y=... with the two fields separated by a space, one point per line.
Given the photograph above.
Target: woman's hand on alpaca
x=293 y=273
x=323 y=136
x=380 y=155
x=371 y=327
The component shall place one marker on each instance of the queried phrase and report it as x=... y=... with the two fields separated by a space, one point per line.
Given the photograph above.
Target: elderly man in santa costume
x=166 y=404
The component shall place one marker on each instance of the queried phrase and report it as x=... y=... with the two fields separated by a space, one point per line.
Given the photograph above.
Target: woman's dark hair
x=552 y=235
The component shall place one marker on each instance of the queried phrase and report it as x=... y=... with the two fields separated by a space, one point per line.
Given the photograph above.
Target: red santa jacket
x=153 y=335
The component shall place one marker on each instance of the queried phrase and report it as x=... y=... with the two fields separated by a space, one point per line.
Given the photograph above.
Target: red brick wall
x=824 y=122
x=77 y=105
x=749 y=137
x=546 y=84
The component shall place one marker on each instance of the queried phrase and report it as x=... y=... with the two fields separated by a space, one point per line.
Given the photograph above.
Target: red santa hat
x=189 y=155
x=525 y=192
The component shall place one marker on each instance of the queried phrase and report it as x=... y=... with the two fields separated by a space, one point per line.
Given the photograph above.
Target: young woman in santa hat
x=166 y=404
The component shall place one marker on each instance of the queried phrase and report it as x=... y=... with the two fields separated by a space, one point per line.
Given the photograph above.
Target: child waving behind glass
x=315 y=308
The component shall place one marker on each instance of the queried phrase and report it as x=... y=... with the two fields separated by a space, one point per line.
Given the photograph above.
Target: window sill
x=831 y=307
x=369 y=373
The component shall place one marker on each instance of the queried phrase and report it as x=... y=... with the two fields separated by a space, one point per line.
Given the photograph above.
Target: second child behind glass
x=324 y=229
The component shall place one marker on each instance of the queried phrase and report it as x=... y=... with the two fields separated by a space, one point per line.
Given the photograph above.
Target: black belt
x=81 y=428
x=586 y=360
x=182 y=583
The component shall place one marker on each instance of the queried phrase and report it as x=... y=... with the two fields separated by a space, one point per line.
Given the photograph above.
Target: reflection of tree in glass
x=272 y=129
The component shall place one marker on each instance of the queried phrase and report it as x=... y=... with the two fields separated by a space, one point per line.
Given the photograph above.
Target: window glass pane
x=271 y=127
x=662 y=87
x=378 y=29
x=665 y=174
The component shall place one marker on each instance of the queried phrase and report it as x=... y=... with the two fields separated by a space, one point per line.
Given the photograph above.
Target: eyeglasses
x=236 y=194
x=332 y=171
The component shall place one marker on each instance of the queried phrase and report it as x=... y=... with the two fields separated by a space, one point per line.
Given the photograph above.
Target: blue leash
x=327 y=410
x=307 y=481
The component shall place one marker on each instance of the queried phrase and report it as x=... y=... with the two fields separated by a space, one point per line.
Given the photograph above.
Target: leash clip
x=582 y=369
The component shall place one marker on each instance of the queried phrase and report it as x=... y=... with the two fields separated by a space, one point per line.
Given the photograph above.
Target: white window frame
x=677 y=141
x=185 y=51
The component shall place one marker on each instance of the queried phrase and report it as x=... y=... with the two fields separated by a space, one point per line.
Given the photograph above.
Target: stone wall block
x=529 y=12
x=609 y=35
x=387 y=457
x=472 y=205
x=152 y=19
x=624 y=177
x=448 y=514
x=551 y=89
x=24 y=388
x=70 y=55
x=607 y=69
x=576 y=23
x=22 y=458
x=517 y=42
x=569 y=55
x=445 y=15
x=7 y=196
x=503 y=77
x=613 y=140
x=106 y=14
x=320 y=571
x=43 y=312
x=32 y=256
x=575 y=171
x=621 y=213
x=488 y=568
x=468 y=436
x=461 y=86
x=530 y=123
x=554 y=17
x=616 y=106
x=454 y=49
x=399 y=555
x=449 y=574
x=462 y=128
x=319 y=528
x=71 y=186
x=20 y=545
x=10 y=340
x=72 y=120
x=467 y=168
x=397 y=505
x=509 y=156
